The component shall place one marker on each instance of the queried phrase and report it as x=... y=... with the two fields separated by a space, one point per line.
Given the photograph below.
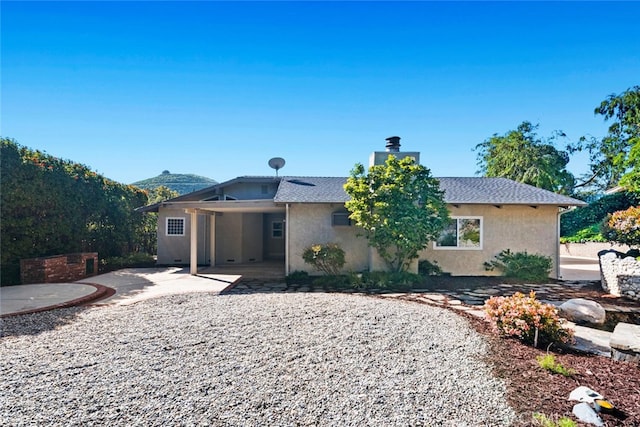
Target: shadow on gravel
x=36 y=323
x=125 y=282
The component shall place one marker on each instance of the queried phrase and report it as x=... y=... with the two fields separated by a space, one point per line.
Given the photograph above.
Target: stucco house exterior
x=253 y=219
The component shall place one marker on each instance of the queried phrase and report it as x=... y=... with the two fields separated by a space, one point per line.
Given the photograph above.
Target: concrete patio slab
x=138 y=284
x=121 y=287
x=578 y=268
x=29 y=298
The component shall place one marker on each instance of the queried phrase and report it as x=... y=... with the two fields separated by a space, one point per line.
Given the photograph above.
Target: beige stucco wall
x=310 y=224
x=175 y=250
x=238 y=238
x=252 y=237
x=228 y=238
x=273 y=246
x=518 y=228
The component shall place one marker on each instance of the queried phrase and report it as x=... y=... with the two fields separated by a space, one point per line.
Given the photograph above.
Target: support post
x=286 y=240
x=212 y=238
x=193 y=265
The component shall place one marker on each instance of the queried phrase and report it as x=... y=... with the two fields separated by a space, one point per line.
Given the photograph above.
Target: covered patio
x=270 y=270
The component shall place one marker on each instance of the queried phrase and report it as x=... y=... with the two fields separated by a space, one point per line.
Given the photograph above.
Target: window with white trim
x=277 y=229
x=463 y=232
x=340 y=219
x=175 y=226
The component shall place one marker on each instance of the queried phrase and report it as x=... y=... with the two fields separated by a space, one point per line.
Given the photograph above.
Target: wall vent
x=340 y=219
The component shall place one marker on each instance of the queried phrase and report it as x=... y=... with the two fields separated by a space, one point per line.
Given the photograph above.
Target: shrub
x=623 y=227
x=340 y=281
x=299 y=277
x=589 y=234
x=522 y=266
x=329 y=281
x=527 y=319
x=544 y=421
x=549 y=363
x=428 y=268
x=593 y=214
x=328 y=258
x=134 y=259
x=354 y=280
x=396 y=280
x=9 y=274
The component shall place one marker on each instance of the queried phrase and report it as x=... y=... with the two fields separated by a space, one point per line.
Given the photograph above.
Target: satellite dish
x=276 y=163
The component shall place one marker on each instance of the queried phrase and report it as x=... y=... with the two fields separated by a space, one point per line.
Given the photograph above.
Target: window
x=219 y=197
x=340 y=219
x=277 y=229
x=461 y=233
x=175 y=226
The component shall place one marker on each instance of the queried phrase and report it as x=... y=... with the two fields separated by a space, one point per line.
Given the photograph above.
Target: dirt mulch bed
x=532 y=389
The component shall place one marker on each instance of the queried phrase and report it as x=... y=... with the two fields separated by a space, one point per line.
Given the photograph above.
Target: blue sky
x=216 y=89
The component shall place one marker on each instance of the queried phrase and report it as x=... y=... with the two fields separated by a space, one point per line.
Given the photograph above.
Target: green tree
x=522 y=156
x=591 y=216
x=146 y=233
x=615 y=159
x=51 y=206
x=624 y=134
x=161 y=193
x=400 y=207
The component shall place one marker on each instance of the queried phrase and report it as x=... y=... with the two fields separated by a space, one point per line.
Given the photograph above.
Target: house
x=253 y=219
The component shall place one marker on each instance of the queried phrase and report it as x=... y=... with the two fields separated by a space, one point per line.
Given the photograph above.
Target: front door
x=274 y=236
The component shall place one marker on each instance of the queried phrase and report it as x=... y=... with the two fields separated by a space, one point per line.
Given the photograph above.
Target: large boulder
x=625 y=343
x=580 y=310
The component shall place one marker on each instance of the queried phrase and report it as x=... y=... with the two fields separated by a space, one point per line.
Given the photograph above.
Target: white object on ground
x=584 y=394
x=585 y=413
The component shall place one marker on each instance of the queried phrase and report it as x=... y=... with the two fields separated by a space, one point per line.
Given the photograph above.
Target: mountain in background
x=181 y=182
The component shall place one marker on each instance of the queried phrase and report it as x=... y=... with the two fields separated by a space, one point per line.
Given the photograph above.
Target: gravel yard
x=259 y=359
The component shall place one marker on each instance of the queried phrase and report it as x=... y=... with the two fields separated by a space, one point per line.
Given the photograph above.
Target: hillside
x=182 y=183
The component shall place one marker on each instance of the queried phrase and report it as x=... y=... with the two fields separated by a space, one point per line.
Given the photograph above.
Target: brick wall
x=58 y=268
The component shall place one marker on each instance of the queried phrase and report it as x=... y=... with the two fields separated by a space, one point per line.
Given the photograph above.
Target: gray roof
x=466 y=190
x=500 y=191
x=211 y=190
x=311 y=189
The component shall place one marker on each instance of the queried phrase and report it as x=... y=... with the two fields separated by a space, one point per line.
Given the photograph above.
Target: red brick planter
x=59 y=268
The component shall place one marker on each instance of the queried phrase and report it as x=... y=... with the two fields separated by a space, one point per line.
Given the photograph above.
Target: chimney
x=393 y=149
x=393 y=144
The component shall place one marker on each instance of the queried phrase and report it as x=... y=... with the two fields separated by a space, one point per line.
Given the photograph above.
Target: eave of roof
x=500 y=191
x=263 y=205
x=457 y=190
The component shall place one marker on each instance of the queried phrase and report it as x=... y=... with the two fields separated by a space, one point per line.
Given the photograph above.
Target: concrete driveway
x=578 y=268
x=137 y=284
x=128 y=286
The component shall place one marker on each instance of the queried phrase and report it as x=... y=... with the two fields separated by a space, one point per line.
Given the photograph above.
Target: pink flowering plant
x=528 y=319
x=623 y=227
